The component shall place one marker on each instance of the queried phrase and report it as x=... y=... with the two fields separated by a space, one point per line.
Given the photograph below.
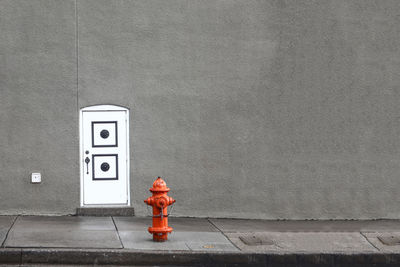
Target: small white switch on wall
x=36 y=178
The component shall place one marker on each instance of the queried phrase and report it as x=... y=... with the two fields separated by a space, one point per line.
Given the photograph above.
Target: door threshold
x=102 y=211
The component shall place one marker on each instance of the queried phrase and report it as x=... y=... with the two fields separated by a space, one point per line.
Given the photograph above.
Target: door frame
x=94 y=108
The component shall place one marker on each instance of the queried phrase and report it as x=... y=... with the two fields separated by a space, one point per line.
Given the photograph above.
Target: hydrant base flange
x=160 y=234
x=160 y=230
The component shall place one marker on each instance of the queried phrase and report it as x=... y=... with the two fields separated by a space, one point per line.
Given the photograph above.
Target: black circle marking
x=105 y=166
x=104 y=134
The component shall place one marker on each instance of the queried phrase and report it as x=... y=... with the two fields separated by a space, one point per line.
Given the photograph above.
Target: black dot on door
x=104 y=134
x=105 y=166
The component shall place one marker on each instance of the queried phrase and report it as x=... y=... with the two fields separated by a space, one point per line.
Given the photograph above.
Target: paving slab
x=63 y=232
x=5 y=224
x=143 y=240
x=132 y=223
x=179 y=224
x=242 y=225
x=64 y=222
x=191 y=224
x=305 y=242
x=199 y=241
x=373 y=239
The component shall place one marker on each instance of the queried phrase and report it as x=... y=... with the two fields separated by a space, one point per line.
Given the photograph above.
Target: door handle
x=87 y=160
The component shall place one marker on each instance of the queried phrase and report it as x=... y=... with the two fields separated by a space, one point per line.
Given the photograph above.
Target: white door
x=104 y=156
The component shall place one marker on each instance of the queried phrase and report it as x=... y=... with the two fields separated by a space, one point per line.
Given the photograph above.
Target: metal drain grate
x=256 y=240
x=390 y=240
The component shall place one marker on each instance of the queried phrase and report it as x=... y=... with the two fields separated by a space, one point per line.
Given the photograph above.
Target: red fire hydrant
x=160 y=202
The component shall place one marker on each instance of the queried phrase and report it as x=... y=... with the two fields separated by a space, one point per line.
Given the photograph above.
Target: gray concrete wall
x=38 y=107
x=251 y=109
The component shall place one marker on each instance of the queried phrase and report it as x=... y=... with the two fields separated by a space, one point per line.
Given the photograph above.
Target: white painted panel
x=104 y=144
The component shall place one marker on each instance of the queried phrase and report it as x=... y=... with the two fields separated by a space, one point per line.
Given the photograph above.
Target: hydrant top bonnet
x=159 y=185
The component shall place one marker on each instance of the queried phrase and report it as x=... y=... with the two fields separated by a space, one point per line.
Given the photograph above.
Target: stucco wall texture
x=248 y=109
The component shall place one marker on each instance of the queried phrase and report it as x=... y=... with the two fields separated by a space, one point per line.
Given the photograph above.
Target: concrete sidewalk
x=125 y=241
